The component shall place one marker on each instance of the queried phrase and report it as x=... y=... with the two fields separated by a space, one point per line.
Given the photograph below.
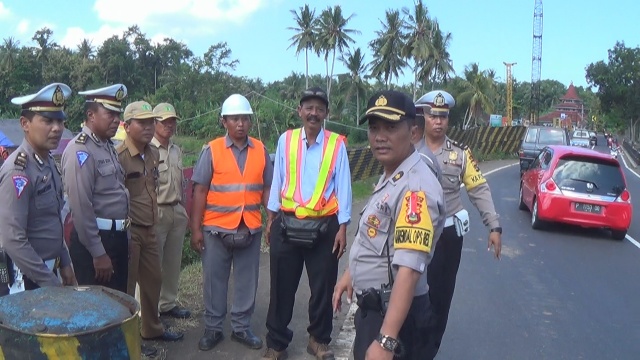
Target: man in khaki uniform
x=172 y=216
x=458 y=168
x=31 y=233
x=98 y=200
x=140 y=163
x=397 y=233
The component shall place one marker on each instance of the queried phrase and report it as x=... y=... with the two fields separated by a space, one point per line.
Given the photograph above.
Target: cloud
x=4 y=11
x=74 y=35
x=23 y=26
x=187 y=17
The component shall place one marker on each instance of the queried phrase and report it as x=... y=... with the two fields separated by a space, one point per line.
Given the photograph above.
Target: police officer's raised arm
x=16 y=191
x=78 y=173
x=480 y=196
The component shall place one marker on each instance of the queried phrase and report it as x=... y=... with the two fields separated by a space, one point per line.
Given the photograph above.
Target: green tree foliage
x=618 y=83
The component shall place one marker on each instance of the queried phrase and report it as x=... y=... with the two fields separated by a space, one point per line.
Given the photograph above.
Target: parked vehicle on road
x=536 y=138
x=576 y=186
x=594 y=138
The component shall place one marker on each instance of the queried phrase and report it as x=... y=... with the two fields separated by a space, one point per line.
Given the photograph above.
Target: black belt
x=171 y=203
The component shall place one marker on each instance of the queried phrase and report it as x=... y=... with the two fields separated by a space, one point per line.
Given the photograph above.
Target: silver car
x=580 y=138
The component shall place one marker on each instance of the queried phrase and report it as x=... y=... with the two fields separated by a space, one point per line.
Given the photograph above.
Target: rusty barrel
x=87 y=322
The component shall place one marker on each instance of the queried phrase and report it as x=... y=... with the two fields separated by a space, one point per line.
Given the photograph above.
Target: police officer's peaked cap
x=139 y=110
x=389 y=105
x=48 y=102
x=110 y=97
x=436 y=102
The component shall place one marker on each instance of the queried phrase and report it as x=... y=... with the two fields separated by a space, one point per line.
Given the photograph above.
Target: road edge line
x=627 y=166
x=344 y=341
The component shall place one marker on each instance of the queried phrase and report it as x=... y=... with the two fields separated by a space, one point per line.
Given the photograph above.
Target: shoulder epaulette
x=460 y=145
x=82 y=138
x=21 y=160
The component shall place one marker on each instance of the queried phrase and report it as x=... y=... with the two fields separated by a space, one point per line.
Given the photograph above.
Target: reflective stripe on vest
x=317 y=205
x=234 y=196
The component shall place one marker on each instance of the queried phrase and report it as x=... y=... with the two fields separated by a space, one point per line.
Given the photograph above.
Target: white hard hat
x=236 y=104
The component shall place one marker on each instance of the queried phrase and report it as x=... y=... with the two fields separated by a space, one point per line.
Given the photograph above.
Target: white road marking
x=344 y=340
x=633 y=241
x=628 y=168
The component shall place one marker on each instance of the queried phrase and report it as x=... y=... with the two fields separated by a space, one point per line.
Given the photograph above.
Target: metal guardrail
x=632 y=151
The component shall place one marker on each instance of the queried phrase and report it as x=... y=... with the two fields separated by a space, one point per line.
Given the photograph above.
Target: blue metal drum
x=87 y=323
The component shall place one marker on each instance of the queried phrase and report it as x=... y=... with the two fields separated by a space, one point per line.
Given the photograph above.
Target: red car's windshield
x=588 y=175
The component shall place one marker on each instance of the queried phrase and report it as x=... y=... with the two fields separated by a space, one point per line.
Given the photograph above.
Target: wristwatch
x=496 y=229
x=387 y=342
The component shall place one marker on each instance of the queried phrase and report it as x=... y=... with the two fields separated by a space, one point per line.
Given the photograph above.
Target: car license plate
x=589 y=208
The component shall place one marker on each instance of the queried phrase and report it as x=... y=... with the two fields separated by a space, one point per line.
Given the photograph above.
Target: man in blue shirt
x=308 y=212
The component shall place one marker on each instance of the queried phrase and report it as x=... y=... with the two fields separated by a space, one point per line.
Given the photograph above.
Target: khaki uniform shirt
x=460 y=168
x=405 y=211
x=429 y=158
x=94 y=184
x=171 y=181
x=142 y=180
x=30 y=222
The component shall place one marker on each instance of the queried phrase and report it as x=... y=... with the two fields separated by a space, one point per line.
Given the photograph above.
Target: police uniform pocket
x=374 y=231
x=107 y=170
x=163 y=167
x=45 y=199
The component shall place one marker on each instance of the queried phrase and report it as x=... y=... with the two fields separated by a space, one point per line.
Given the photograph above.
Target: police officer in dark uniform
x=396 y=236
x=31 y=235
x=459 y=168
x=98 y=199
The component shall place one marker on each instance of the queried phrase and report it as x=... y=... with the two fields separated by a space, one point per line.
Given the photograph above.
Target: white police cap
x=48 y=102
x=436 y=102
x=110 y=97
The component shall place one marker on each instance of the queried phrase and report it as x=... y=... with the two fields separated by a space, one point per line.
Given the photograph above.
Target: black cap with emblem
x=390 y=105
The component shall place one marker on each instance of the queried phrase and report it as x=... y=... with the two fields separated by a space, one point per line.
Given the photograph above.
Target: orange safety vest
x=234 y=196
x=317 y=205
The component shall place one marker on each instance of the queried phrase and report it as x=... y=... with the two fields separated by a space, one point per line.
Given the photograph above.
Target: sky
x=490 y=32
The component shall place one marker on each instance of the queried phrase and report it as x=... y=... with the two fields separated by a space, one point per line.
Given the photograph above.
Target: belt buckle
x=127 y=223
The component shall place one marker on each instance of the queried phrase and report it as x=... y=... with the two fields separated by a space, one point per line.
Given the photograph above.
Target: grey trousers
x=217 y=262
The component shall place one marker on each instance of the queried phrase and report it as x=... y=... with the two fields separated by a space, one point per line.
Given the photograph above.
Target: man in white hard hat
x=226 y=222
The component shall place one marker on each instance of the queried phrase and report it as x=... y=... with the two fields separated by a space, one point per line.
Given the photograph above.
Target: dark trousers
x=441 y=277
x=116 y=244
x=411 y=336
x=286 y=268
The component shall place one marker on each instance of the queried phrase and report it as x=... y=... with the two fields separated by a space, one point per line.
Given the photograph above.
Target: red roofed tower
x=568 y=113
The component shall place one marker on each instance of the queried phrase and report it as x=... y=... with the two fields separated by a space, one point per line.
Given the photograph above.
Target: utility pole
x=509 y=93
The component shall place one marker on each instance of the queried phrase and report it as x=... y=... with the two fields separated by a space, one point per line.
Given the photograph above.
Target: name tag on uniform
x=134 y=175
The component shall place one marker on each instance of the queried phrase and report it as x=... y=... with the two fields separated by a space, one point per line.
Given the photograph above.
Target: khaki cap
x=138 y=110
x=164 y=111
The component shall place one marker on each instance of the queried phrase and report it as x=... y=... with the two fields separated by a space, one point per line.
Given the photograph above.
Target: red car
x=576 y=186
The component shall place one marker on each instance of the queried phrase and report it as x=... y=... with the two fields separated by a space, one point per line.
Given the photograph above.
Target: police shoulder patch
x=82 y=157
x=414 y=226
x=21 y=160
x=20 y=183
x=82 y=138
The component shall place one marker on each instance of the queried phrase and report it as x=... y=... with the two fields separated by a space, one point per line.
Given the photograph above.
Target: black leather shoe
x=210 y=339
x=177 y=312
x=167 y=336
x=247 y=338
x=148 y=351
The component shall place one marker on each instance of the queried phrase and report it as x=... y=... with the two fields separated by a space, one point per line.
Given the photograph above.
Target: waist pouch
x=303 y=232
x=236 y=241
x=461 y=221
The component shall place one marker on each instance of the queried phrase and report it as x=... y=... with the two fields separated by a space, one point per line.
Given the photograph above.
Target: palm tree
x=86 y=49
x=356 y=65
x=305 y=36
x=442 y=65
x=478 y=90
x=419 y=45
x=333 y=36
x=388 y=61
x=43 y=38
x=8 y=53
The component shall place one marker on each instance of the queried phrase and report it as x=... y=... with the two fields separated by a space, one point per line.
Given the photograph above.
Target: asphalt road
x=563 y=293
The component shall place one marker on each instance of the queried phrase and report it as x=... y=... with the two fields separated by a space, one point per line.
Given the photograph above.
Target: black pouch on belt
x=303 y=232
x=5 y=277
x=235 y=241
